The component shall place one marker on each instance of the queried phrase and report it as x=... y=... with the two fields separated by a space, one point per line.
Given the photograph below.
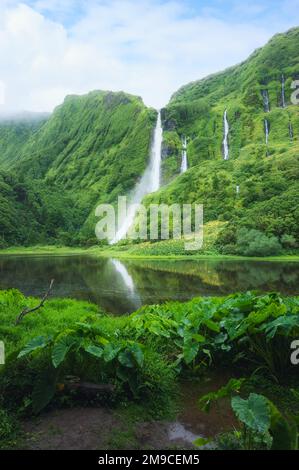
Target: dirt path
x=97 y=429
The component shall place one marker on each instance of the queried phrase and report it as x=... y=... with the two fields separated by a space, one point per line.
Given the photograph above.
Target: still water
x=120 y=286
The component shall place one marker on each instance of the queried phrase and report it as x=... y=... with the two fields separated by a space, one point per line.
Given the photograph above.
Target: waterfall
x=266 y=123
x=283 y=96
x=266 y=101
x=291 y=132
x=184 y=164
x=155 y=171
x=149 y=183
x=225 y=140
x=238 y=189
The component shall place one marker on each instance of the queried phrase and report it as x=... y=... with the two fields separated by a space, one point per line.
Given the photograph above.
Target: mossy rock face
x=92 y=149
x=266 y=175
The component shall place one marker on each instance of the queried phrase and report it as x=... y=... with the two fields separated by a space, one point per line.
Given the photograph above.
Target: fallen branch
x=30 y=310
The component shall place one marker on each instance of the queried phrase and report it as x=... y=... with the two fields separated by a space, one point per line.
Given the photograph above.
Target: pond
x=120 y=286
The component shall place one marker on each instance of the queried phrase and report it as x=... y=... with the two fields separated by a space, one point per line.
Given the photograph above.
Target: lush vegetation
x=92 y=149
x=141 y=356
x=266 y=175
x=55 y=170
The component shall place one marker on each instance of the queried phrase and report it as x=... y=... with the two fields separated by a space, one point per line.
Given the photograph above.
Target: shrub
x=288 y=241
x=8 y=430
x=255 y=243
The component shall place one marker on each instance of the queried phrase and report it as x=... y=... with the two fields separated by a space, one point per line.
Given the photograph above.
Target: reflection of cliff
x=222 y=277
x=122 y=286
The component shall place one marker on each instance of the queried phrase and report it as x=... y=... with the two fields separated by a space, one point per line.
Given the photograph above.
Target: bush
x=255 y=243
x=288 y=241
x=8 y=430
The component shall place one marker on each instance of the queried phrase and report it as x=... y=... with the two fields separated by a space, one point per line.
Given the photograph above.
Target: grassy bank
x=137 y=252
x=142 y=357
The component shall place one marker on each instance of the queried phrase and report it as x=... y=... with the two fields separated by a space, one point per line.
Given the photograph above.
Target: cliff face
x=90 y=150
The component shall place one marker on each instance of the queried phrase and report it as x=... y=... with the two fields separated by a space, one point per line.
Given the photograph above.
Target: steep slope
x=257 y=186
x=92 y=149
x=197 y=109
x=15 y=131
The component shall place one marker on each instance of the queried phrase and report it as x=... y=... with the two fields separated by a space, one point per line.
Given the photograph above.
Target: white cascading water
x=266 y=100
x=283 y=95
x=266 y=131
x=184 y=164
x=149 y=183
x=225 y=140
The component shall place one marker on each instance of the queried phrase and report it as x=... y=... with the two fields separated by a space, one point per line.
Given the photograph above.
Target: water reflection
x=123 y=286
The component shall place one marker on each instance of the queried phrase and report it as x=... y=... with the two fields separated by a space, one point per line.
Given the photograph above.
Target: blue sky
x=51 y=48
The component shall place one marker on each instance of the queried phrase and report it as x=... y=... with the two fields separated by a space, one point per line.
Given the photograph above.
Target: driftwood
x=41 y=304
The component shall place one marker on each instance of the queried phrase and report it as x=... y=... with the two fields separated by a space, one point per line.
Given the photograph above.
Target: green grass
x=144 y=251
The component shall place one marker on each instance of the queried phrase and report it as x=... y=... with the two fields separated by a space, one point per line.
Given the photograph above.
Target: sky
x=150 y=48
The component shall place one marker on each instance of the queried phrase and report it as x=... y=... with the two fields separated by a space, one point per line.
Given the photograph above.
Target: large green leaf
x=94 y=350
x=190 y=351
x=110 y=351
x=137 y=353
x=253 y=412
x=62 y=347
x=44 y=390
x=39 y=342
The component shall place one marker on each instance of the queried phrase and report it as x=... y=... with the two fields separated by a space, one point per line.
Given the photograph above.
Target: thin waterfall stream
x=225 y=140
x=184 y=164
x=266 y=101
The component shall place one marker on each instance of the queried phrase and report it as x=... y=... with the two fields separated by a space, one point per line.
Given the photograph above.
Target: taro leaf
x=199 y=338
x=190 y=351
x=94 y=350
x=125 y=358
x=233 y=386
x=44 y=390
x=212 y=325
x=39 y=342
x=253 y=412
x=62 y=347
x=283 y=324
x=131 y=356
x=110 y=352
x=137 y=353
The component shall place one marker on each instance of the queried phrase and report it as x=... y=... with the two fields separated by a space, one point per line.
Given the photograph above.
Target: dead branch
x=41 y=304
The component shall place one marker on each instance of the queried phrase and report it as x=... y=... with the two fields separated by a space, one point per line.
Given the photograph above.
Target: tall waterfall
x=184 y=164
x=266 y=101
x=266 y=124
x=291 y=132
x=283 y=95
x=225 y=140
x=149 y=183
x=155 y=170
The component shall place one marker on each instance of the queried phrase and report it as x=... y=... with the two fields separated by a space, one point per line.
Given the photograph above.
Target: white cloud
x=145 y=47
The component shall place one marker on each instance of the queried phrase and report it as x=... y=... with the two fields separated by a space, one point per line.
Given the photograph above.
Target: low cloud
x=50 y=49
